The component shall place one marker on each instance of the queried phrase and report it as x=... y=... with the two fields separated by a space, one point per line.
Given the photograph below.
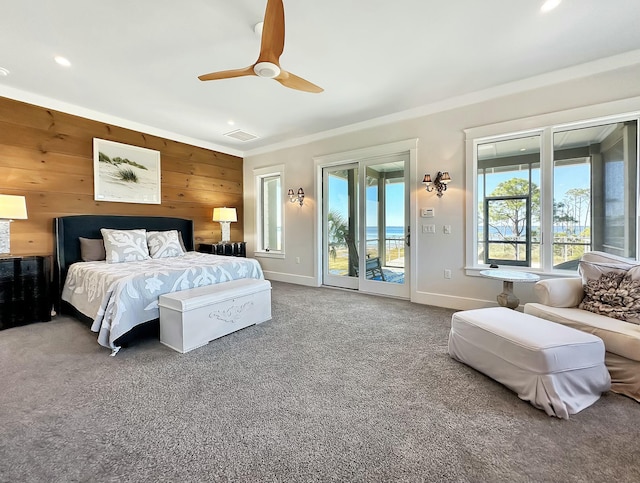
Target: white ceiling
x=139 y=60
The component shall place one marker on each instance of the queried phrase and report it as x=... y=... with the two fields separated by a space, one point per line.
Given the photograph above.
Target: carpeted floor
x=339 y=386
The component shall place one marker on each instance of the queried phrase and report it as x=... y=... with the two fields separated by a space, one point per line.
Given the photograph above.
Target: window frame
x=527 y=243
x=259 y=174
x=546 y=128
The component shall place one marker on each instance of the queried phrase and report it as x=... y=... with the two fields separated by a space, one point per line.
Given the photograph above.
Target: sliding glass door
x=340 y=226
x=365 y=226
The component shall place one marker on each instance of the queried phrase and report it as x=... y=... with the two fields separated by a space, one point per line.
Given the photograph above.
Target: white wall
x=441 y=147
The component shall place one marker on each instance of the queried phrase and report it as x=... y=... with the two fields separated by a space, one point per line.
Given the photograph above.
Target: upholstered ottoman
x=556 y=368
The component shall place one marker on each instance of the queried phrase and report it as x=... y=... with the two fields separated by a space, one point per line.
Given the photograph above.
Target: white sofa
x=558 y=302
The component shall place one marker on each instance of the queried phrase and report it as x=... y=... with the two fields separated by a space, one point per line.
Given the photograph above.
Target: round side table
x=507 y=298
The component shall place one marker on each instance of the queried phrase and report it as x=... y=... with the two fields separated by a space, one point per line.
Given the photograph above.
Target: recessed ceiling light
x=4 y=72
x=63 y=61
x=523 y=149
x=550 y=5
x=231 y=122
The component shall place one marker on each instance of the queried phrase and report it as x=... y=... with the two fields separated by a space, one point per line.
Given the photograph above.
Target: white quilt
x=119 y=296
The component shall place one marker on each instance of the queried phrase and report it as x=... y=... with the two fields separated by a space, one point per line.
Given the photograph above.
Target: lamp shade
x=13 y=207
x=225 y=214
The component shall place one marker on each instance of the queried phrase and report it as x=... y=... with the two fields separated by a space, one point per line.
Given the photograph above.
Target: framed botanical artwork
x=125 y=173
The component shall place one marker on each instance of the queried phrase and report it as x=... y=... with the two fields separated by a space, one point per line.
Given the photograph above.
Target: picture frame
x=124 y=173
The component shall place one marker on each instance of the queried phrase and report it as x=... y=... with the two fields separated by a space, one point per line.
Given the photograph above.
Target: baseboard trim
x=451 y=301
x=425 y=298
x=289 y=278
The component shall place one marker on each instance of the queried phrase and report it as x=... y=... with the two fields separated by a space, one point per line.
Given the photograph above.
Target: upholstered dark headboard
x=68 y=229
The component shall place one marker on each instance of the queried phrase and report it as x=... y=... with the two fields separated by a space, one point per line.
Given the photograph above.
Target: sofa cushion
x=611 y=289
x=603 y=257
x=619 y=337
x=559 y=292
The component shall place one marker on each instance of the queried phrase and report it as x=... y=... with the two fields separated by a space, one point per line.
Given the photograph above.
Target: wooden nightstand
x=24 y=290
x=231 y=249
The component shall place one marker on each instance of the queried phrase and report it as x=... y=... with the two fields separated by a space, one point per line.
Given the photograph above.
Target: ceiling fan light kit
x=266 y=69
x=271 y=48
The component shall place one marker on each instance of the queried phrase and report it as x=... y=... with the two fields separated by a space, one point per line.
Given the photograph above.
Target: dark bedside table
x=231 y=249
x=24 y=290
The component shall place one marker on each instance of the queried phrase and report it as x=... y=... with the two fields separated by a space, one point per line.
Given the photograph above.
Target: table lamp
x=225 y=216
x=11 y=208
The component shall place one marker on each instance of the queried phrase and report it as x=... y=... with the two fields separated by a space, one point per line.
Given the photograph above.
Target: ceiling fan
x=271 y=49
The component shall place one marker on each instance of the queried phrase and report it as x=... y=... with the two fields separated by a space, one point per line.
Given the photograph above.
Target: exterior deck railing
x=393 y=249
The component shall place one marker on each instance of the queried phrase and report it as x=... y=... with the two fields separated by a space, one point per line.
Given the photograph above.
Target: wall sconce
x=11 y=208
x=225 y=216
x=440 y=183
x=299 y=197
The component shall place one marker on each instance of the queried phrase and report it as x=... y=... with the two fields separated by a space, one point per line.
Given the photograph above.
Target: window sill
x=263 y=254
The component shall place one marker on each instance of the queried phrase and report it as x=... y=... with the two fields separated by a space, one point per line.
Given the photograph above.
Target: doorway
x=365 y=225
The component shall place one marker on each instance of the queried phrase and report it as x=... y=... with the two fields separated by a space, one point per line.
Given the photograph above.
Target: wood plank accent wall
x=47 y=156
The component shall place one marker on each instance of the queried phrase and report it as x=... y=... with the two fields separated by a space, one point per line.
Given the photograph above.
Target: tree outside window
x=511 y=210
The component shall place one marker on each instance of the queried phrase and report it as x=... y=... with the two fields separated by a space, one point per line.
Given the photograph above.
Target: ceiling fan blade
x=228 y=74
x=272 y=44
x=288 y=79
x=271 y=48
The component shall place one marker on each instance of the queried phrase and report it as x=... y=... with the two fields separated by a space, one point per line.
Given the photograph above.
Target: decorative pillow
x=125 y=245
x=611 y=289
x=164 y=244
x=184 y=249
x=92 y=249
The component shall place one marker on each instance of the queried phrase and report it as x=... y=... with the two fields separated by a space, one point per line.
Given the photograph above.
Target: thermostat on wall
x=427 y=213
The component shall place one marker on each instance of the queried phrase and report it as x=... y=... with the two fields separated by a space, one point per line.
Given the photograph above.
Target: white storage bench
x=194 y=317
x=556 y=368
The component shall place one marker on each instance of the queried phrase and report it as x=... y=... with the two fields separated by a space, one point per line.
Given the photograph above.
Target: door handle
x=407 y=239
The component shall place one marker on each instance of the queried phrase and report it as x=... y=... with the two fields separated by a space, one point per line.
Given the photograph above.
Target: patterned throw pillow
x=164 y=244
x=125 y=245
x=611 y=289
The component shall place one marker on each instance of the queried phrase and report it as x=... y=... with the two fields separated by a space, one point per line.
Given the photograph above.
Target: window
x=269 y=212
x=543 y=208
x=509 y=201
